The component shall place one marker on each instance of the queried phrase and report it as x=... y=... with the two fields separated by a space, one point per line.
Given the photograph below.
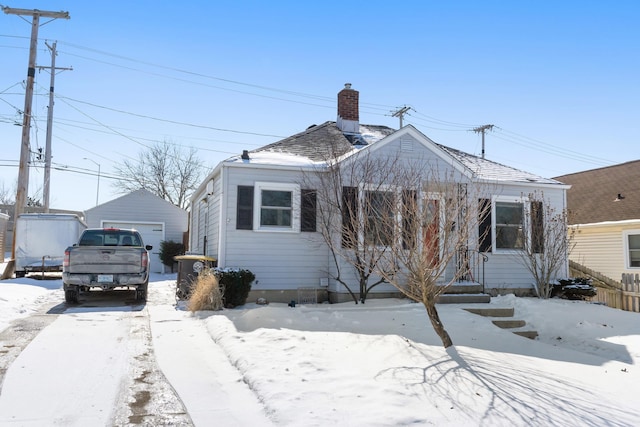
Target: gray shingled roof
x=326 y=141
x=493 y=171
x=323 y=142
x=591 y=196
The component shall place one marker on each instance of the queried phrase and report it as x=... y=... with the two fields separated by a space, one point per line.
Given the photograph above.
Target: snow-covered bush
x=579 y=288
x=236 y=283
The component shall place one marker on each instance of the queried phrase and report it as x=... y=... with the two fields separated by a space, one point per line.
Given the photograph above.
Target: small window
x=509 y=225
x=633 y=241
x=276 y=208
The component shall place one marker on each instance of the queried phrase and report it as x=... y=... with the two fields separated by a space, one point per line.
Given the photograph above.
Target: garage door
x=152 y=234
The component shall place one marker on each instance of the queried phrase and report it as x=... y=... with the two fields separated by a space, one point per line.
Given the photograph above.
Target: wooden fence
x=624 y=295
x=626 y=298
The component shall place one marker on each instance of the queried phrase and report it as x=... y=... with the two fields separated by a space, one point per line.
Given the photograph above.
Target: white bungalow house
x=230 y=219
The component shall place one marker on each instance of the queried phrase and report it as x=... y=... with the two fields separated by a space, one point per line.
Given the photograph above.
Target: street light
x=98 y=189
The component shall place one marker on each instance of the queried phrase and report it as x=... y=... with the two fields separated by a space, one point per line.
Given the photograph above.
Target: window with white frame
x=379 y=215
x=277 y=206
x=632 y=243
x=509 y=225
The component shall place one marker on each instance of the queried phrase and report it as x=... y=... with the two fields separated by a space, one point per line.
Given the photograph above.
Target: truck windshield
x=110 y=238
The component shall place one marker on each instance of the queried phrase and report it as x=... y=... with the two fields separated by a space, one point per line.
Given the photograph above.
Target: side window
x=276 y=208
x=509 y=225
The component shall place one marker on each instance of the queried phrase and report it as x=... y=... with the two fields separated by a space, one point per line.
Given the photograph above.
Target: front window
x=633 y=242
x=379 y=215
x=509 y=225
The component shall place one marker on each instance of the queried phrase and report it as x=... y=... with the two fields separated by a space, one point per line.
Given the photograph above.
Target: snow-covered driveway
x=95 y=364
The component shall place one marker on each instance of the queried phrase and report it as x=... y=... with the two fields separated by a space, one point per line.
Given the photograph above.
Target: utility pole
x=47 y=151
x=400 y=112
x=482 y=130
x=23 y=169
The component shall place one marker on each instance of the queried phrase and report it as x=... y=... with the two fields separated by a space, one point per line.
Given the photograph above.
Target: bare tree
x=346 y=226
x=400 y=222
x=165 y=170
x=436 y=238
x=545 y=250
x=7 y=195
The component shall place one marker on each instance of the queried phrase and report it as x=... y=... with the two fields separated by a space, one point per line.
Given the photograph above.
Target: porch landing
x=464 y=293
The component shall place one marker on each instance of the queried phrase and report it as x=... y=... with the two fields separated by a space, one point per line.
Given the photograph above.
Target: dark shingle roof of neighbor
x=591 y=196
x=326 y=141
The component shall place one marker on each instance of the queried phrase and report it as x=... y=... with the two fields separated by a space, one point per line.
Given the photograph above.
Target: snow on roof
x=493 y=171
x=320 y=143
x=273 y=158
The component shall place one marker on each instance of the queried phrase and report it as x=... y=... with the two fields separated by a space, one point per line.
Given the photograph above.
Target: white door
x=152 y=234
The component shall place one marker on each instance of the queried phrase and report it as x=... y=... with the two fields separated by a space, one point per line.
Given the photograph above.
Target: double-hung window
x=509 y=225
x=380 y=217
x=277 y=207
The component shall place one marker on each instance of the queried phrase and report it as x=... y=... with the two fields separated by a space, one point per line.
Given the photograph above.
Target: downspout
x=222 y=218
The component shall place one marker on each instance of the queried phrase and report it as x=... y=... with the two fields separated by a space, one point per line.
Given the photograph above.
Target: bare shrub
x=206 y=293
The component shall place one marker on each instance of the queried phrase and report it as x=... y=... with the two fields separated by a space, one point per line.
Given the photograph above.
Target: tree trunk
x=434 y=317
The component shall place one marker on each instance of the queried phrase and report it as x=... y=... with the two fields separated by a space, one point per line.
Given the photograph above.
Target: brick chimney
x=348 y=115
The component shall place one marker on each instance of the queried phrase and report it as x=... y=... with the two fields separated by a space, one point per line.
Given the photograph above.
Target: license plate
x=103 y=278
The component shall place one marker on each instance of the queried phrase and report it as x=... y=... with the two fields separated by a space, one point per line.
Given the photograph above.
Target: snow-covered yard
x=378 y=364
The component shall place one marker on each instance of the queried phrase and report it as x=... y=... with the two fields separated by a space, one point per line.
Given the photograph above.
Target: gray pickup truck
x=106 y=259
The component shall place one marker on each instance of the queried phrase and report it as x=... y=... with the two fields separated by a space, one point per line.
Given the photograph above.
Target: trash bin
x=189 y=267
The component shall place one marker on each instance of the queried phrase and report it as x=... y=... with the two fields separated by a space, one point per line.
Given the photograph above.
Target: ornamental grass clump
x=206 y=293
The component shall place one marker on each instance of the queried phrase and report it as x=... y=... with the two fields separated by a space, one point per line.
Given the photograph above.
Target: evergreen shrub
x=579 y=288
x=236 y=283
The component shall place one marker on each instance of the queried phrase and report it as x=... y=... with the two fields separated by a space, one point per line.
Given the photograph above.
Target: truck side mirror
x=148 y=247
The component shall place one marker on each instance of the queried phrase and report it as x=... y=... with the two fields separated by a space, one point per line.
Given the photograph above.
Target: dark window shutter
x=349 y=216
x=410 y=224
x=308 y=210
x=537 y=227
x=484 y=224
x=244 y=215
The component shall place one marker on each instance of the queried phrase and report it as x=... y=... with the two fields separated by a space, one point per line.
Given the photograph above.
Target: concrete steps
x=464 y=293
x=504 y=323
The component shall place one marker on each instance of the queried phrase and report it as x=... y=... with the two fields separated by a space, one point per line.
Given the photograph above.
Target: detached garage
x=155 y=219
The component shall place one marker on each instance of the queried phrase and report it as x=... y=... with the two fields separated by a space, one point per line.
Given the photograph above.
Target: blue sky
x=559 y=80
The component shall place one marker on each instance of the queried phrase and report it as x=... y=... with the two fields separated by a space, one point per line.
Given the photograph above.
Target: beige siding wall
x=602 y=248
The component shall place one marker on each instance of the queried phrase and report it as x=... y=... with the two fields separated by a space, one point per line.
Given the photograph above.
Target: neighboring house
x=604 y=207
x=155 y=219
x=226 y=220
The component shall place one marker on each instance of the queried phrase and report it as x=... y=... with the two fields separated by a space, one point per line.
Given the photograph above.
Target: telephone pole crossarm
x=482 y=130
x=400 y=112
